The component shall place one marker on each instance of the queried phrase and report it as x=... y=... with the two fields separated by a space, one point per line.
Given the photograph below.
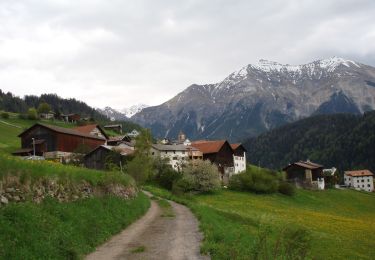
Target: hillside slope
x=263 y=96
x=343 y=141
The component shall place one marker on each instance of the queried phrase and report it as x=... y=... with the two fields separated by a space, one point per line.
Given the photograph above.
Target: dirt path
x=156 y=237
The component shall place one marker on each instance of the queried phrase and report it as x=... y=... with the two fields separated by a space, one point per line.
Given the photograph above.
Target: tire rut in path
x=156 y=237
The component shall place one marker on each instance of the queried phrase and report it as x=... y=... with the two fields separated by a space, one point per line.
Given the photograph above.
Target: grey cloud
x=120 y=53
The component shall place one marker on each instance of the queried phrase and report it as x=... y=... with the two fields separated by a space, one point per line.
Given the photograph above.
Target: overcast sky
x=119 y=53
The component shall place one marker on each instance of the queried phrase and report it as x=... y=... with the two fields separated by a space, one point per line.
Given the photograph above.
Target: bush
x=199 y=176
x=287 y=188
x=140 y=168
x=4 y=115
x=32 y=114
x=164 y=175
x=255 y=180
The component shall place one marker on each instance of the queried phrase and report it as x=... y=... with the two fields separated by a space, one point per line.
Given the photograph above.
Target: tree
x=32 y=114
x=44 y=108
x=198 y=176
x=141 y=166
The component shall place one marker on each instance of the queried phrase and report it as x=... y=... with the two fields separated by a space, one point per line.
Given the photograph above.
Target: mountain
x=344 y=141
x=263 y=96
x=131 y=111
x=122 y=115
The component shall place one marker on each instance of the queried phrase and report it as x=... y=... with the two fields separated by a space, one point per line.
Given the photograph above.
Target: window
x=363 y=180
x=344 y=179
x=174 y=158
x=166 y=152
x=368 y=185
x=357 y=181
x=183 y=152
x=153 y=153
x=368 y=180
x=363 y=186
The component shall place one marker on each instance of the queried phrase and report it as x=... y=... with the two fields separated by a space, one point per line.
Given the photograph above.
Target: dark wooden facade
x=304 y=173
x=52 y=138
x=96 y=159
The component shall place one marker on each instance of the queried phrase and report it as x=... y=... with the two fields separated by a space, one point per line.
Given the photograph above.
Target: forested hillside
x=11 y=103
x=343 y=141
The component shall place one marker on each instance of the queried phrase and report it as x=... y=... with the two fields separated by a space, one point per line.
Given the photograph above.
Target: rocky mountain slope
x=263 y=96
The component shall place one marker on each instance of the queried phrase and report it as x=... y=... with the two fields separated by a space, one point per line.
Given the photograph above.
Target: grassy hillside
x=343 y=141
x=12 y=127
x=61 y=230
x=338 y=223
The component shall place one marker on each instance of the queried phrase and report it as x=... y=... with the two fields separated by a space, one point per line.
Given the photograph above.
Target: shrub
x=164 y=175
x=199 y=176
x=32 y=114
x=140 y=168
x=4 y=115
x=255 y=180
x=287 y=188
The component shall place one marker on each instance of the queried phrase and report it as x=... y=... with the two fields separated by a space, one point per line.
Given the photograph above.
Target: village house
x=99 y=157
x=220 y=153
x=120 y=139
x=239 y=158
x=54 y=142
x=93 y=129
x=70 y=118
x=133 y=134
x=359 y=180
x=177 y=154
x=116 y=128
x=305 y=174
x=49 y=115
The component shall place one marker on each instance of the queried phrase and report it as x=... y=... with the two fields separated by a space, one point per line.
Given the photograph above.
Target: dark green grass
x=39 y=170
x=53 y=230
x=338 y=224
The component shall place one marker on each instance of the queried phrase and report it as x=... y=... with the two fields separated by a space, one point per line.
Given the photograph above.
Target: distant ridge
x=262 y=96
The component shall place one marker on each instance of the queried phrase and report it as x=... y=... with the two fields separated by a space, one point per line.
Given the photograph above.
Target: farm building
x=49 y=115
x=116 y=128
x=116 y=140
x=306 y=174
x=359 y=180
x=219 y=153
x=103 y=154
x=239 y=157
x=54 y=142
x=70 y=118
x=93 y=129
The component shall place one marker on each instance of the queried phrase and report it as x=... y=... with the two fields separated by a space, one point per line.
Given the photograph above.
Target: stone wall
x=12 y=189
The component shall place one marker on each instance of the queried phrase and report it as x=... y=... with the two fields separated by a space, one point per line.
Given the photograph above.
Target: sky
x=120 y=53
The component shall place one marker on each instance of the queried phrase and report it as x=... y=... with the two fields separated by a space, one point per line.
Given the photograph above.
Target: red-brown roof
x=359 y=173
x=235 y=146
x=307 y=165
x=208 y=146
x=87 y=129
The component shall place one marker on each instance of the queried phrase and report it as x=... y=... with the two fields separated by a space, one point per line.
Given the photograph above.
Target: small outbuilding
x=306 y=174
x=104 y=154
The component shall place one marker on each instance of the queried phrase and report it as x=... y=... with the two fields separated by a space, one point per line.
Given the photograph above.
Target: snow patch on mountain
x=131 y=111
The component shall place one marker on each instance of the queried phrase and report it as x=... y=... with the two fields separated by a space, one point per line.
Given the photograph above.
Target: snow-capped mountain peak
x=131 y=111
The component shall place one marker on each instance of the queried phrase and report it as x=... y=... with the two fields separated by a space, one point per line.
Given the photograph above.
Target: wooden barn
x=97 y=158
x=306 y=174
x=55 y=142
x=220 y=153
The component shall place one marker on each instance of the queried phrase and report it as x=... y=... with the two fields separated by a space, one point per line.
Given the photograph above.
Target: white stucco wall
x=239 y=163
x=176 y=158
x=365 y=183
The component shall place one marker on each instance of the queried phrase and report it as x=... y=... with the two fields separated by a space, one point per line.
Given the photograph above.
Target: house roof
x=122 y=150
x=306 y=165
x=87 y=129
x=238 y=145
x=359 y=173
x=23 y=150
x=208 y=146
x=62 y=130
x=173 y=147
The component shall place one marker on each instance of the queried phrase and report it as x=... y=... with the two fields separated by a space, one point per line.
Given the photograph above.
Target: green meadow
x=335 y=224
